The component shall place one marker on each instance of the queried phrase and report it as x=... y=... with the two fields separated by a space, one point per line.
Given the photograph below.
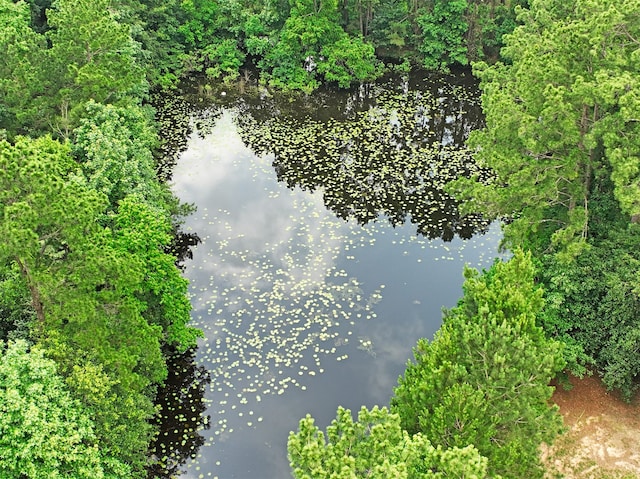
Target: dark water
x=328 y=247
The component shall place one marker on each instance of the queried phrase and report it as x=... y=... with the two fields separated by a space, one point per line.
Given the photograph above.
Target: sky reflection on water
x=302 y=311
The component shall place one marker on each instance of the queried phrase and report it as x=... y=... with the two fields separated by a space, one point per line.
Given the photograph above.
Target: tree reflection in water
x=386 y=150
x=379 y=151
x=181 y=418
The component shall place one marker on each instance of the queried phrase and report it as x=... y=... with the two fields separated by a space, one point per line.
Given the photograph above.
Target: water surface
x=308 y=303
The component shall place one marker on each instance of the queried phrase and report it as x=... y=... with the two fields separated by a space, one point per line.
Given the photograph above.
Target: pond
x=327 y=248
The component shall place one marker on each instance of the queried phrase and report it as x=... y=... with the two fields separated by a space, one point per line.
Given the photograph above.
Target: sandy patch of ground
x=603 y=440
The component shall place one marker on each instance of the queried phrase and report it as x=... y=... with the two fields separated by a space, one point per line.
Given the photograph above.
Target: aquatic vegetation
x=289 y=210
x=392 y=159
x=181 y=418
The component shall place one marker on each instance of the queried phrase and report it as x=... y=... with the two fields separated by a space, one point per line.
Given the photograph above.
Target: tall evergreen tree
x=484 y=379
x=88 y=288
x=564 y=107
x=375 y=446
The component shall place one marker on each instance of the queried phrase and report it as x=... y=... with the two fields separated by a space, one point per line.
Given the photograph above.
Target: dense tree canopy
x=484 y=379
x=44 y=432
x=375 y=446
x=442 y=33
x=105 y=298
x=84 y=274
x=85 y=54
x=23 y=52
x=114 y=146
x=92 y=56
x=593 y=303
x=82 y=285
x=564 y=108
x=561 y=138
x=54 y=54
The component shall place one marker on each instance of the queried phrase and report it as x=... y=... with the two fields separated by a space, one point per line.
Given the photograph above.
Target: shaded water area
x=328 y=248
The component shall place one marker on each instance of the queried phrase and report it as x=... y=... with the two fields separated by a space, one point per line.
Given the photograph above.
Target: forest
x=92 y=298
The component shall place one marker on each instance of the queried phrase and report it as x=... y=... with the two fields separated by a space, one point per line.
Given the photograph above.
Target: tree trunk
x=36 y=301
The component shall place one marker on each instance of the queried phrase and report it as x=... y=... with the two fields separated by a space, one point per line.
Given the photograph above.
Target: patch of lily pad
x=274 y=315
x=390 y=160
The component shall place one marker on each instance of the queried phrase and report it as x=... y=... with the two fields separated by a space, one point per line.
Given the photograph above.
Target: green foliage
x=16 y=314
x=594 y=303
x=85 y=285
x=442 y=29
x=313 y=38
x=113 y=145
x=156 y=29
x=256 y=40
x=201 y=22
x=285 y=69
x=310 y=26
x=224 y=58
x=565 y=105
x=84 y=272
x=348 y=60
x=488 y=23
x=42 y=214
x=142 y=233
x=375 y=446
x=562 y=140
x=484 y=378
x=19 y=76
x=390 y=27
x=218 y=35
x=92 y=57
x=44 y=432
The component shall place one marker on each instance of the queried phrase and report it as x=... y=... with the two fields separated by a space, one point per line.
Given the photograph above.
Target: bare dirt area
x=603 y=437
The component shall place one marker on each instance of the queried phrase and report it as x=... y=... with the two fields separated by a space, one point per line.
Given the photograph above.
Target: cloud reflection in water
x=287 y=293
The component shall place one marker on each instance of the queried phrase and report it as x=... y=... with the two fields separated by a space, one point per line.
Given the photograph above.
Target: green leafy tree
x=92 y=57
x=488 y=23
x=141 y=232
x=35 y=202
x=564 y=106
x=311 y=25
x=256 y=41
x=442 y=32
x=484 y=378
x=593 y=304
x=114 y=146
x=390 y=28
x=44 y=431
x=84 y=287
x=16 y=314
x=225 y=59
x=219 y=34
x=375 y=446
x=358 y=15
x=22 y=56
x=312 y=42
x=156 y=28
x=348 y=60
